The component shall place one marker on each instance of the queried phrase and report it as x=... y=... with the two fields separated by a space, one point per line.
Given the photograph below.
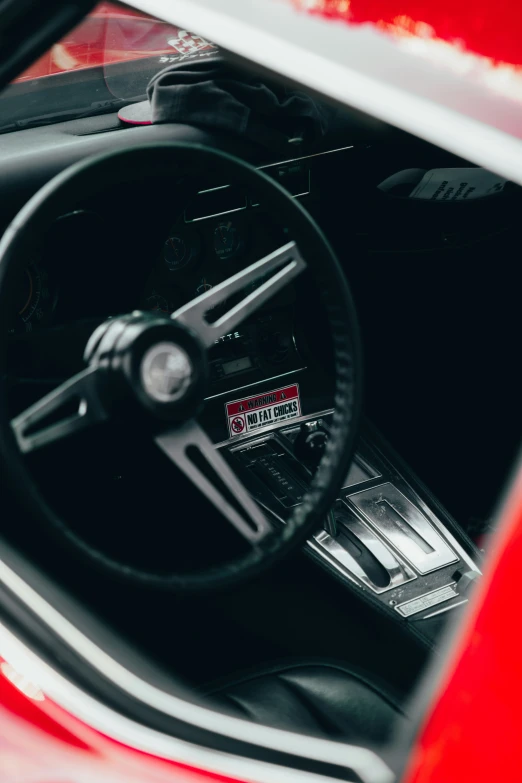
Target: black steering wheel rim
x=181 y=160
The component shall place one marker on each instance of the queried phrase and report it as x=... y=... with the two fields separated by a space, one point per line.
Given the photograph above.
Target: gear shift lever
x=310 y=443
x=309 y=447
x=330 y=524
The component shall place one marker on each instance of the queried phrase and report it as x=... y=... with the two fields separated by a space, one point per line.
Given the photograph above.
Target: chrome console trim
x=398 y=571
x=447 y=535
x=446 y=608
x=404 y=526
x=427 y=600
x=391 y=520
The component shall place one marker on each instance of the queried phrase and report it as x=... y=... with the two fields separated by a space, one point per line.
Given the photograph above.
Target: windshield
x=101 y=65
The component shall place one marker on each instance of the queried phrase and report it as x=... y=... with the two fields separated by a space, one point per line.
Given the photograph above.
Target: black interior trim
x=279 y=667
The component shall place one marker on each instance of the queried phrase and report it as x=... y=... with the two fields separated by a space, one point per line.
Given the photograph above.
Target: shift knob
x=310 y=443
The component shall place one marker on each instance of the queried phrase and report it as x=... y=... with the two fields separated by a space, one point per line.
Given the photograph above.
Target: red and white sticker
x=252 y=413
x=187 y=43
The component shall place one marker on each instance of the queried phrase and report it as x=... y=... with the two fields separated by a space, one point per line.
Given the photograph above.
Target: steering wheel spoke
x=71 y=407
x=194 y=453
x=286 y=259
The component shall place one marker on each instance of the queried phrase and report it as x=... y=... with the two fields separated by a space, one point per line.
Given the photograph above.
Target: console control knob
x=465 y=580
x=275 y=346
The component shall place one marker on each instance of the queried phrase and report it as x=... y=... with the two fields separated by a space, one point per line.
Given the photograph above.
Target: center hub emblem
x=166 y=372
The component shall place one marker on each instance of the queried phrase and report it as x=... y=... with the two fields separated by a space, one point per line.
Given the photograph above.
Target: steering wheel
x=152 y=368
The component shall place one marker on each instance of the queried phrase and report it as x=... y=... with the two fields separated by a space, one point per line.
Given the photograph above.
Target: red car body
x=473 y=729
x=41 y=743
x=489 y=30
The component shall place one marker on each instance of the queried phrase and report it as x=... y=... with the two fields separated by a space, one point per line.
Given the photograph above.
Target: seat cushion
x=317 y=698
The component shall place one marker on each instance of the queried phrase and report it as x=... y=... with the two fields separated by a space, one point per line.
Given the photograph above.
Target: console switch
x=465 y=580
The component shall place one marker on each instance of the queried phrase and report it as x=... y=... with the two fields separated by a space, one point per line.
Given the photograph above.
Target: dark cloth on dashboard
x=212 y=94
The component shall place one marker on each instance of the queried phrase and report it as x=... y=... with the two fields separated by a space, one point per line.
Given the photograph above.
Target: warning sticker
x=252 y=413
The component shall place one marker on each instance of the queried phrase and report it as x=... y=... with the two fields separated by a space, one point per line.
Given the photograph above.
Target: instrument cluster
x=91 y=266
x=197 y=255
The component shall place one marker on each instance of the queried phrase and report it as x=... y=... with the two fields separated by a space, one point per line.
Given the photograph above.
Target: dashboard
x=199 y=253
x=109 y=256
x=188 y=260
x=105 y=257
x=156 y=252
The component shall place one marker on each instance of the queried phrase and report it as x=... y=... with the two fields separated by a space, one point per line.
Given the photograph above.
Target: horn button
x=166 y=372
x=150 y=360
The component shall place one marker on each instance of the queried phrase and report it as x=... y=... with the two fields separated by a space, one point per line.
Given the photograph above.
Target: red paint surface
x=474 y=732
x=41 y=743
x=492 y=29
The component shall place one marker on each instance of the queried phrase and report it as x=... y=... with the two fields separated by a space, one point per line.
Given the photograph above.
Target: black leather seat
x=318 y=698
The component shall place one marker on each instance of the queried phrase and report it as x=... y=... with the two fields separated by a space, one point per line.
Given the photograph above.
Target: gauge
x=228 y=240
x=175 y=253
x=33 y=301
x=180 y=250
x=164 y=299
x=157 y=303
x=203 y=287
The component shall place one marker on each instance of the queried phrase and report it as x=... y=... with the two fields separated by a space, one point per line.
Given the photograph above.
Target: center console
x=385 y=537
